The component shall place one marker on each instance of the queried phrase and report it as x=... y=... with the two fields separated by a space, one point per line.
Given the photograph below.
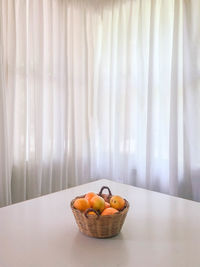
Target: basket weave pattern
x=100 y=226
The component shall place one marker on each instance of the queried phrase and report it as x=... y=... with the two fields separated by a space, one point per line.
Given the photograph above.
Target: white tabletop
x=159 y=231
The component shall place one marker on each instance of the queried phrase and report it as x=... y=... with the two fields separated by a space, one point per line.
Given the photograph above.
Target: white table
x=159 y=231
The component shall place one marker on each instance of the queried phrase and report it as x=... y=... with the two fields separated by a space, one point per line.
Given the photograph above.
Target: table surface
x=159 y=230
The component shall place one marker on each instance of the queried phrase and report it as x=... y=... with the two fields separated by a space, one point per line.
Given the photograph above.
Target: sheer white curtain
x=99 y=89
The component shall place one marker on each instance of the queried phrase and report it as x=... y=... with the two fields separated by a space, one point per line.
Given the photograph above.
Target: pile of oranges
x=101 y=204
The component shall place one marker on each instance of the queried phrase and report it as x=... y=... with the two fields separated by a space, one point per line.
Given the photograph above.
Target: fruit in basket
x=117 y=202
x=107 y=205
x=97 y=203
x=105 y=197
x=81 y=204
x=89 y=196
x=100 y=220
x=92 y=213
x=109 y=211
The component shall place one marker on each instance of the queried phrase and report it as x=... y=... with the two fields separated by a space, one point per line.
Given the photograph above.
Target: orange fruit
x=92 y=213
x=105 y=197
x=107 y=205
x=97 y=203
x=89 y=196
x=81 y=204
x=109 y=211
x=117 y=202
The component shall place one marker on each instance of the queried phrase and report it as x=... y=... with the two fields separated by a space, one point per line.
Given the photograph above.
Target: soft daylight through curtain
x=99 y=89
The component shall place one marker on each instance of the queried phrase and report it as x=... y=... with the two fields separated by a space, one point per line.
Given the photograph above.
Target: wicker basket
x=100 y=226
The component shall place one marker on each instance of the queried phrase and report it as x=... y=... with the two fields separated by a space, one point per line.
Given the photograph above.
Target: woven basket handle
x=90 y=209
x=105 y=187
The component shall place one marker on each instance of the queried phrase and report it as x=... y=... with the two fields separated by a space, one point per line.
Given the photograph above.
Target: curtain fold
x=99 y=89
x=5 y=159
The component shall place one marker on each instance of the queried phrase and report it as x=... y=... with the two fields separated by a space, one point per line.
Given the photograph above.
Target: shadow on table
x=88 y=251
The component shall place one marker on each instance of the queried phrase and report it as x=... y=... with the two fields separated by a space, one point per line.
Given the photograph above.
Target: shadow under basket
x=100 y=226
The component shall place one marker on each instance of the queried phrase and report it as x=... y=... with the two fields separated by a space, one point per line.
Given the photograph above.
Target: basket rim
x=125 y=210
